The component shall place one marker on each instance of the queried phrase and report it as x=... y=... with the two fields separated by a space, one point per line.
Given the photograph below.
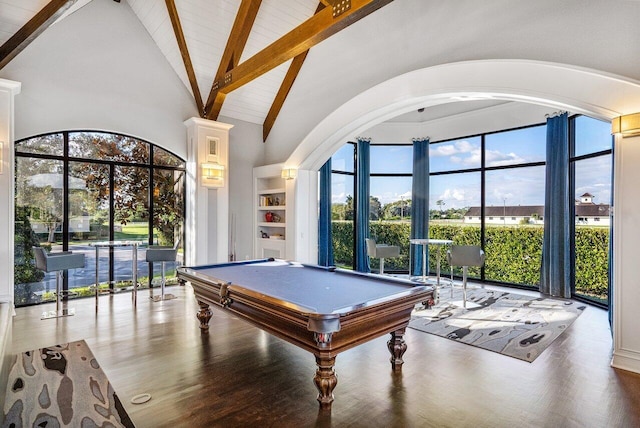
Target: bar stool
x=381 y=251
x=58 y=262
x=157 y=253
x=465 y=256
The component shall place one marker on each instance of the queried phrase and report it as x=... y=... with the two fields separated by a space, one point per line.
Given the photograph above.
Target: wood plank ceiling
x=239 y=58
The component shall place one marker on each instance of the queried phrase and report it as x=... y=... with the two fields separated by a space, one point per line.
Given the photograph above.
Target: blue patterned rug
x=511 y=324
x=61 y=385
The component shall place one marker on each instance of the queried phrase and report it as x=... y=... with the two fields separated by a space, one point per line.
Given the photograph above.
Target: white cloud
x=496 y=158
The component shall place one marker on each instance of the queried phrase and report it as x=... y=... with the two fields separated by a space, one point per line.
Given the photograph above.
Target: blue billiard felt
x=321 y=290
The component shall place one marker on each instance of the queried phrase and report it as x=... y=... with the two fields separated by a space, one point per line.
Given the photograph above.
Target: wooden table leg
x=397 y=348
x=325 y=380
x=204 y=315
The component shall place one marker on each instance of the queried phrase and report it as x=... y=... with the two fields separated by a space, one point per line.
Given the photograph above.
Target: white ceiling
x=403 y=36
x=206 y=25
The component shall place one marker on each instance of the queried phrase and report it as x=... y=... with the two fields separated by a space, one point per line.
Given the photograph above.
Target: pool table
x=323 y=310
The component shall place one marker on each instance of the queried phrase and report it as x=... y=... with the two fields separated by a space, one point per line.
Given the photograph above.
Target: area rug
x=511 y=324
x=61 y=386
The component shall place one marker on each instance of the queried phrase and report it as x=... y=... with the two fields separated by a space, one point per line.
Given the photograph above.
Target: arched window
x=74 y=188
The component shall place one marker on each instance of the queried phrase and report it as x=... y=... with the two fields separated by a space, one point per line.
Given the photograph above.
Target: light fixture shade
x=212 y=175
x=289 y=173
x=627 y=125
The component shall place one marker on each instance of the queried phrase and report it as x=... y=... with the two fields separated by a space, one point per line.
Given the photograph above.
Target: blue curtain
x=556 y=262
x=362 y=204
x=325 y=243
x=419 y=201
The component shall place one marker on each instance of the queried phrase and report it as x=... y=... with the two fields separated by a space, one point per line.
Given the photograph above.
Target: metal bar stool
x=58 y=263
x=465 y=256
x=157 y=253
x=381 y=251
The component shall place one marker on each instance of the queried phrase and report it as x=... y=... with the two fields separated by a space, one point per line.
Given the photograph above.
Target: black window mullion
x=151 y=191
x=112 y=186
x=355 y=203
x=482 y=201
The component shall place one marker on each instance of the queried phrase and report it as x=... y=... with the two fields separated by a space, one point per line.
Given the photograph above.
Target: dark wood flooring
x=237 y=375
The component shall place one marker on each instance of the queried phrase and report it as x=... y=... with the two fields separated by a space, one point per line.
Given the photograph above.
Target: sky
x=518 y=186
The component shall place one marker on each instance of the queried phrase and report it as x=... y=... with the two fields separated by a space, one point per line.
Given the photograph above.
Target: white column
x=626 y=272
x=207 y=221
x=8 y=90
x=304 y=246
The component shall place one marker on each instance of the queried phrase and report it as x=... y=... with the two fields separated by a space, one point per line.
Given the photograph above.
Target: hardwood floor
x=237 y=375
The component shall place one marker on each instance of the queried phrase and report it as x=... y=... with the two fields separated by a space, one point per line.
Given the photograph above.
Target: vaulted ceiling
x=239 y=58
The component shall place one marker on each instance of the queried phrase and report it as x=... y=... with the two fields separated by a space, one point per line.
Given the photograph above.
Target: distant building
x=588 y=213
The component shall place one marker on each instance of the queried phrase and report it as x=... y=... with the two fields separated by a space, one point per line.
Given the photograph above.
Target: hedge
x=513 y=253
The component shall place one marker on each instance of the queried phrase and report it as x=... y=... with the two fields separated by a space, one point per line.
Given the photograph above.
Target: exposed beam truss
x=285 y=87
x=232 y=52
x=184 y=52
x=32 y=29
x=319 y=27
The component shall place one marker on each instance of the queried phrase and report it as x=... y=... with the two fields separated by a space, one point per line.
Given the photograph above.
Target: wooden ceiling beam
x=308 y=34
x=32 y=29
x=285 y=87
x=184 y=52
x=238 y=37
x=281 y=96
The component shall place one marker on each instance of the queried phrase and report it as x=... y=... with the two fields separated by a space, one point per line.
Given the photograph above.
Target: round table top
x=430 y=241
x=115 y=244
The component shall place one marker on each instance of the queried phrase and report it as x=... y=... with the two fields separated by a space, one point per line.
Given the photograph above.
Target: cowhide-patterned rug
x=61 y=386
x=511 y=324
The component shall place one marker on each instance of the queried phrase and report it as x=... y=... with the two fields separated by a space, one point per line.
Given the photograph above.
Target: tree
x=375 y=208
x=440 y=203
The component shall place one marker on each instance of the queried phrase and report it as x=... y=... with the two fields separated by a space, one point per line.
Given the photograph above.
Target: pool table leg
x=204 y=315
x=397 y=347
x=325 y=380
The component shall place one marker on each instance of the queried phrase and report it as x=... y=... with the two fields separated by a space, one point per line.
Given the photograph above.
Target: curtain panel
x=325 y=241
x=419 y=202
x=555 y=277
x=362 y=204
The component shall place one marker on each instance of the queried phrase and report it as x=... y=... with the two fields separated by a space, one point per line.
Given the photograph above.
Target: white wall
x=246 y=150
x=414 y=34
x=99 y=69
x=8 y=91
x=626 y=247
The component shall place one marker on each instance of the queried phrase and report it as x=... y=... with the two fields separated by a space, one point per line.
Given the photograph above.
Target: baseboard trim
x=625 y=360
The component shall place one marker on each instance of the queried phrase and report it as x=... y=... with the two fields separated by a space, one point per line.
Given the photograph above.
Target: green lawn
x=134 y=231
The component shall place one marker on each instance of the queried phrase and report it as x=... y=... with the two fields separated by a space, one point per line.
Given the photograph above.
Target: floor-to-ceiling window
x=487 y=190
x=76 y=188
x=390 y=201
x=342 y=205
x=591 y=170
x=514 y=204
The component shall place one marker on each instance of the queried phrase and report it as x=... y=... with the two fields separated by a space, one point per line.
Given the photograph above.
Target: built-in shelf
x=273 y=208
x=270 y=193
x=271 y=224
